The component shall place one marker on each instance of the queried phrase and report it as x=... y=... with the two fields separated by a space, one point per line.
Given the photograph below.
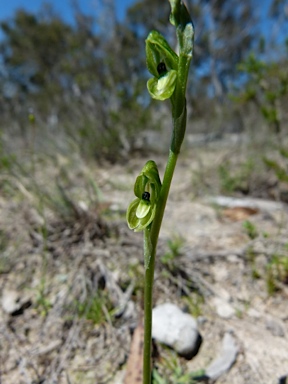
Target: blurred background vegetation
x=72 y=96
x=83 y=84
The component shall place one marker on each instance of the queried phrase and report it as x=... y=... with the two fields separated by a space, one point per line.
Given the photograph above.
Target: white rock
x=225 y=359
x=252 y=312
x=223 y=309
x=261 y=204
x=13 y=301
x=10 y=301
x=175 y=328
x=82 y=205
x=275 y=326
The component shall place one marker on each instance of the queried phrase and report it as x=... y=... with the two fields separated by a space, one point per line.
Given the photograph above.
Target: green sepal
x=158 y=50
x=139 y=186
x=162 y=88
x=151 y=175
x=132 y=220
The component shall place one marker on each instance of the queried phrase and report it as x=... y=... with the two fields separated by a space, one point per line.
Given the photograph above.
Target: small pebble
x=13 y=302
x=223 y=309
x=275 y=326
x=225 y=359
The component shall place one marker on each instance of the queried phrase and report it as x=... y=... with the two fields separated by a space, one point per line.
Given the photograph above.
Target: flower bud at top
x=180 y=18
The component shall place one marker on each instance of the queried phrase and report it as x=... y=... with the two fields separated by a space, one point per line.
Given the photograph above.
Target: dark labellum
x=146 y=196
x=161 y=68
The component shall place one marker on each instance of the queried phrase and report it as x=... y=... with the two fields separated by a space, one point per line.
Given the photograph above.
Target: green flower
x=160 y=55
x=141 y=211
x=162 y=63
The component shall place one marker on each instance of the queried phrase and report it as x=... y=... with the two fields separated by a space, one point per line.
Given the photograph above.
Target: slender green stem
x=148 y=292
x=149 y=273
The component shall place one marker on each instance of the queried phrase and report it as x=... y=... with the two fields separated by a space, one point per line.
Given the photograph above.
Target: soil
x=71 y=278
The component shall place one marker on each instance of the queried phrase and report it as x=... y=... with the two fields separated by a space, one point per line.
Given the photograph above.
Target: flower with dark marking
x=141 y=211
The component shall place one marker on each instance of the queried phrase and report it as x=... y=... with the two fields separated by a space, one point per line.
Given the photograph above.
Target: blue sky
x=63 y=7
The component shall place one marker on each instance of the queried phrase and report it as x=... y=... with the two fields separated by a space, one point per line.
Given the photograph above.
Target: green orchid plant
x=145 y=213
